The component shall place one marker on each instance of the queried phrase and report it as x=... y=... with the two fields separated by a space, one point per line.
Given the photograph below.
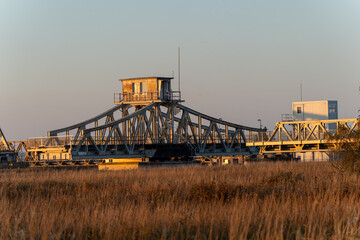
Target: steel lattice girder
x=4 y=146
x=303 y=136
x=156 y=126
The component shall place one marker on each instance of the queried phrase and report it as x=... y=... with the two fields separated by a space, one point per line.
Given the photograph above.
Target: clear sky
x=241 y=60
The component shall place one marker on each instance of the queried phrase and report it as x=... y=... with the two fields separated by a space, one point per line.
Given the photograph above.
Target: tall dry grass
x=259 y=201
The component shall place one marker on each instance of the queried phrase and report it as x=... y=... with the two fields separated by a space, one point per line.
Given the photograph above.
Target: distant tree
x=347 y=150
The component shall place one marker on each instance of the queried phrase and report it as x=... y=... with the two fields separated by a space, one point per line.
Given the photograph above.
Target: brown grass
x=259 y=201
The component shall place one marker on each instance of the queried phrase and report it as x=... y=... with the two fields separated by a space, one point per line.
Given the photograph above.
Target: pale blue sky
x=60 y=61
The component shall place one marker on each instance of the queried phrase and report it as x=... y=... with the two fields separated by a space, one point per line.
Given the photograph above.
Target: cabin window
x=144 y=87
x=136 y=88
x=298 y=110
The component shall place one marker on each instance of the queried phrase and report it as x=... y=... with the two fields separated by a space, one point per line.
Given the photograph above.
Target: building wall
x=54 y=156
x=315 y=110
x=313 y=156
x=149 y=85
x=146 y=89
x=333 y=109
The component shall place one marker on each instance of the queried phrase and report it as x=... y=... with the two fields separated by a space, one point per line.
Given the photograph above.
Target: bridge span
x=302 y=136
x=157 y=131
x=150 y=123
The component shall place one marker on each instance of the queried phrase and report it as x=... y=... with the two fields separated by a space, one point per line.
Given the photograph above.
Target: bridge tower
x=138 y=93
x=145 y=90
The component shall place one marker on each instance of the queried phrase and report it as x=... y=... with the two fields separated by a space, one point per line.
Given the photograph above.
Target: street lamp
x=260 y=122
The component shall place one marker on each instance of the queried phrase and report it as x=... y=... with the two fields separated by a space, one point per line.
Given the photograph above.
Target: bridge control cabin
x=142 y=91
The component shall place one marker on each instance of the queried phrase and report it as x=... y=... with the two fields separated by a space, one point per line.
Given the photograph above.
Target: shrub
x=347 y=149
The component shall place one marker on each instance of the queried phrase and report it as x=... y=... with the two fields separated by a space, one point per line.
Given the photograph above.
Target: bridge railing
x=133 y=97
x=147 y=96
x=142 y=141
x=54 y=141
x=173 y=96
x=290 y=136
x=258 y=136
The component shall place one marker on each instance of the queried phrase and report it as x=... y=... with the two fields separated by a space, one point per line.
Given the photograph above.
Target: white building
x=315 y=110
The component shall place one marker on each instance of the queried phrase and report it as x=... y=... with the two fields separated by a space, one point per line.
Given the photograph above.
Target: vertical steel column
x=96 y=132
x=155 y=124
x=199 y=129
x=280 y=137
x=213 y=133
x=124 y=113
x=172 y=115
x=67 y=135
x=142 y=128
x=226 y=133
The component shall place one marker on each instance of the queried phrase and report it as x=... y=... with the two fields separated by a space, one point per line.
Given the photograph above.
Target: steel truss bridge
x=157 y=131
x=303 y=136
x=163 y=131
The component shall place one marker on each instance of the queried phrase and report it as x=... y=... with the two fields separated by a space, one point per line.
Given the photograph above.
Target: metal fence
x=55 y=141
x=147 y=96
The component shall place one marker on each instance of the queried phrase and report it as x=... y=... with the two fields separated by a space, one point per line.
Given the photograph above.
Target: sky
x=243 y=60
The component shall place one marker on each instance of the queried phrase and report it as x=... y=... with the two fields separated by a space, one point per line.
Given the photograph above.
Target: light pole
x=260 y=122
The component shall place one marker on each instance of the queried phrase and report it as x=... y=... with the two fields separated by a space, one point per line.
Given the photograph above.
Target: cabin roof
x=139 y=78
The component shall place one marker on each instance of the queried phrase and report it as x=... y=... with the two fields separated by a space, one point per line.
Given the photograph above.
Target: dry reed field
x=256 y=201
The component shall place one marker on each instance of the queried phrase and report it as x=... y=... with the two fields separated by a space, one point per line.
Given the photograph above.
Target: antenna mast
x=179 y=66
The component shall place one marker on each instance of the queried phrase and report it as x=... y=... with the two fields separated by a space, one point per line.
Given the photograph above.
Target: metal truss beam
x=107 y=117
x=157 y=129
x=301 y=136
x=4 y=144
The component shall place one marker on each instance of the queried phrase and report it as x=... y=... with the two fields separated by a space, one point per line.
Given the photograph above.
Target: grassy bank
x=262 y=200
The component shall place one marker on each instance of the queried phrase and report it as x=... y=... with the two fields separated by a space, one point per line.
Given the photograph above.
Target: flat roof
x=163 y=78
x=315 y=101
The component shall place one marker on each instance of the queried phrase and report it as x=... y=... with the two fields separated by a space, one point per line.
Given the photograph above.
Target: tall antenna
x=179 y=66
x=301 y=91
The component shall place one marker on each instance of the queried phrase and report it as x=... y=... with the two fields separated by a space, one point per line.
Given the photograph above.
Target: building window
x=332 y=109
x=133 y=87
x=298 y=110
